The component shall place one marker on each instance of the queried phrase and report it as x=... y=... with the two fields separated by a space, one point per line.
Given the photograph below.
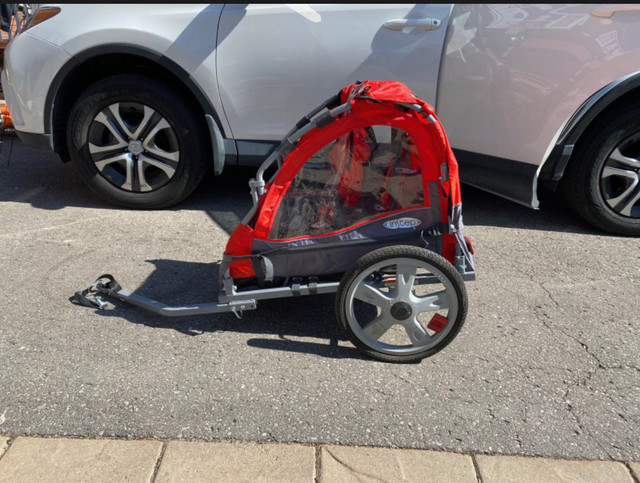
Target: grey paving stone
x=64 y=460
x=515 y=469
x=226 y=461
x=363 y=464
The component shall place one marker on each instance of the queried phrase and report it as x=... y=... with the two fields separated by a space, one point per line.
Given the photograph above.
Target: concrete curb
x=29 y=459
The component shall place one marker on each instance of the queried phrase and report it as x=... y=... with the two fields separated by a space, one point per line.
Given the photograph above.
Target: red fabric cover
x=396 y=91
x=239 y=244
x=430 y=139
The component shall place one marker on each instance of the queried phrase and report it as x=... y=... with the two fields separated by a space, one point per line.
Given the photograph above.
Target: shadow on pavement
x=481 y=208
x=180 y=283
x=41 y=179
x=31 y=176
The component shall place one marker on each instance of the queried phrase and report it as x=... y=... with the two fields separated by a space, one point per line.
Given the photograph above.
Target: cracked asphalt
x=548 y=362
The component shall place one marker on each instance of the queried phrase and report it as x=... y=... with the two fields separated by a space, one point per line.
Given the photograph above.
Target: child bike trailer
x=363 y=200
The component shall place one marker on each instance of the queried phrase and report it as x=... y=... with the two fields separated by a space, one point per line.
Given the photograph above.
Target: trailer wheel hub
x=401 y=311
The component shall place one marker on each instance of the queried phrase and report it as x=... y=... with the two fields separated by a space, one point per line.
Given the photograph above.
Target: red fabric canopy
x=372 y=103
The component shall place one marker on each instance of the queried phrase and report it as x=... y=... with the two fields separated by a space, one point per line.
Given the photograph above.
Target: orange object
x=7 y=123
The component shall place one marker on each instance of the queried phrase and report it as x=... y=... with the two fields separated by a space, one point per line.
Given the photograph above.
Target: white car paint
x=505 y=79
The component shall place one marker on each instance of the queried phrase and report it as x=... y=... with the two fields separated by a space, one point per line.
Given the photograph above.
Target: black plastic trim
x=42 y=142
x=504 y=177
x=253 y=152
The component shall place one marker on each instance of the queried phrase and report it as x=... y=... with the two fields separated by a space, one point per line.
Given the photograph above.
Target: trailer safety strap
x=456 y=227
x=263 y=268
x=89 y=297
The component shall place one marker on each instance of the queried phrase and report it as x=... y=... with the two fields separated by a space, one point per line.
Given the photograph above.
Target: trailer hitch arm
x=107 y=285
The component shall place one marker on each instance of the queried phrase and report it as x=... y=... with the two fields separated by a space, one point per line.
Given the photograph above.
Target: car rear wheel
x=136 y=142
x=603 y=181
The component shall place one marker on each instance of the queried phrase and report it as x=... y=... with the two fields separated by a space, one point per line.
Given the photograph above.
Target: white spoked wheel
x=401 y=303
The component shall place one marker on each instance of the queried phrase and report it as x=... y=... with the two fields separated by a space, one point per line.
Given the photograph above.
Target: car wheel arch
x=91 y=65
x=587 y=117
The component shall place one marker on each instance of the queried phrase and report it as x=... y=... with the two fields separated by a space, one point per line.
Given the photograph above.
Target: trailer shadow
x=281 y=321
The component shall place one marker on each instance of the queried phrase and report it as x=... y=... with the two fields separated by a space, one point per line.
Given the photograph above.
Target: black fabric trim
x=42 y=142
x=342 y=243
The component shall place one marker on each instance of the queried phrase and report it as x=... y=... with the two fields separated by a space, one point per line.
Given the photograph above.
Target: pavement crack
x=631 y=472
x=5 y=444
x=317 y=465
x=549 y=294
x=583 y=429
x=156 y=469
x=476 y=468
x=356 y=473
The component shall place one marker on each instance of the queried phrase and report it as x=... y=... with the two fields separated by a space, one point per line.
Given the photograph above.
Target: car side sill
x=253 y=153
x=507 y=178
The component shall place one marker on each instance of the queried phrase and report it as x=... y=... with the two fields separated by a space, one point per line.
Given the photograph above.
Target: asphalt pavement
x=547 y=364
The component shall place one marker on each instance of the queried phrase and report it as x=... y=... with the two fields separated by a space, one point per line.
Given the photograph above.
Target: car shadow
x=481 y=208
x=28 y=175
x=42 y=180
x=226 y=201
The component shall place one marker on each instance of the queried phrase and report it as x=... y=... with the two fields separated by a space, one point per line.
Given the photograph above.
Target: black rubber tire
x=190 y=132
x=401 y=251
x=582 y=188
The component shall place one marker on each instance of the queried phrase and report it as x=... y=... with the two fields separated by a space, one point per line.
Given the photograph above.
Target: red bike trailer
x=364 y=202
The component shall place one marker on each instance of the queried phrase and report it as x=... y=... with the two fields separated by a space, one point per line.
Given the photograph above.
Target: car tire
x=136 y=142
x=603 y=179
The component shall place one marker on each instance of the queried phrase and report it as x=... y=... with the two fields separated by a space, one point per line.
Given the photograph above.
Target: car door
x=277 y=62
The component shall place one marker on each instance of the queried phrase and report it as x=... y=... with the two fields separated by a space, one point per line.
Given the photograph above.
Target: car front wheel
x=604 y=177
x=136 y=142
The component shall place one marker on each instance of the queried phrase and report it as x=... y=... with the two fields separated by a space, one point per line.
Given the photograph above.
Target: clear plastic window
x=361 y=175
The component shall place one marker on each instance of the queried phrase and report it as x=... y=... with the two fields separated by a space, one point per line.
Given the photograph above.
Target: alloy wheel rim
x=620 y=178
x=134 y=147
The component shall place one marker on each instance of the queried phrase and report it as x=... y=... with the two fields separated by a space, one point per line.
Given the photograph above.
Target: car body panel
x=278 y=61
x=185 y=34
x=513 y=75
x=506 y=80
x=26 y=89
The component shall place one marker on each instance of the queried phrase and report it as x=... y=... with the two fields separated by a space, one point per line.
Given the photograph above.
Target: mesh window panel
x=361 y=175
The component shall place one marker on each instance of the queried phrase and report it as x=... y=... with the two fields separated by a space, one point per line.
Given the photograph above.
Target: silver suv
x=144 y=98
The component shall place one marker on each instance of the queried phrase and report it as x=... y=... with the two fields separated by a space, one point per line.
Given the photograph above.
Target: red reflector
x=437 y=323
x=469 y=245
